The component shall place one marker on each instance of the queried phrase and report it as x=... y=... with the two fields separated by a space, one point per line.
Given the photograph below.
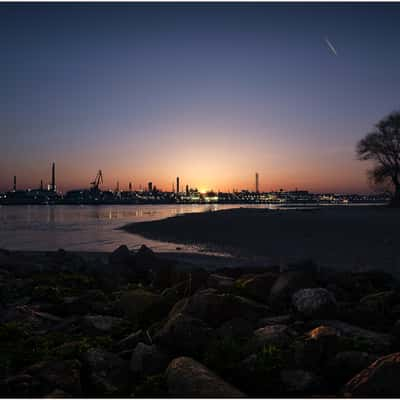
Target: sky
x=209 y=92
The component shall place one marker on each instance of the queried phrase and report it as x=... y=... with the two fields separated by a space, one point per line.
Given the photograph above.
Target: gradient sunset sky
x=210 y=92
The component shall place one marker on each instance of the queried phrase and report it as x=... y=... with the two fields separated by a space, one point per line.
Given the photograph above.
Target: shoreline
x=356 y=238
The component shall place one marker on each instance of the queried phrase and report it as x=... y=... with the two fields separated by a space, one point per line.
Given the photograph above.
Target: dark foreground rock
x=188 y=378
x=109 y=325
x=380 y=379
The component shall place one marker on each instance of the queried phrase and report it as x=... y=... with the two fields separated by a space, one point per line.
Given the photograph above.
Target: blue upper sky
x=212 y=92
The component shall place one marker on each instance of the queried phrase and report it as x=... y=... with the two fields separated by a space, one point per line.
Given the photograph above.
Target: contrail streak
x=330 y=45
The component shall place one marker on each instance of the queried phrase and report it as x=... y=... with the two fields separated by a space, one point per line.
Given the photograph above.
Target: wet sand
x=353 y=237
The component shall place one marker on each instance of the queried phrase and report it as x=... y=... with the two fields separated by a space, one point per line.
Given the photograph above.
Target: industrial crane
x=98 y=180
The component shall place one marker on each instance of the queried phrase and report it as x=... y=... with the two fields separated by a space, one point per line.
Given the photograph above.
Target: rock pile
x=138 y=325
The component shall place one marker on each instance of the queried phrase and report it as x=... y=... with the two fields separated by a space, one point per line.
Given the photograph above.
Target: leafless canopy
x=383 y=147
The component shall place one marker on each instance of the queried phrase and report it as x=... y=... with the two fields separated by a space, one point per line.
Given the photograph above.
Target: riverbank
x=138 y=324
x=355 y=238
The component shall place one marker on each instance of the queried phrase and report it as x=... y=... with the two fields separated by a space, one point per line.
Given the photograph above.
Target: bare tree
x=382 y=146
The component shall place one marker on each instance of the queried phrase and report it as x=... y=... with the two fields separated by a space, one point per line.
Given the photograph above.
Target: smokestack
x=41 y=185
x=53 y=177
x=257 y=183
x=130 y=186
x=177 y=184
x=15 y=183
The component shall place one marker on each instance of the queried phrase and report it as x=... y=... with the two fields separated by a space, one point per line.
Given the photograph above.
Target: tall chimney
x=15 y=183
x=257 y=183
x=53 y=177
x=177 y=184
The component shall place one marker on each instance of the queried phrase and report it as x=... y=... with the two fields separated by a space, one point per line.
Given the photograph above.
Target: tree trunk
x=396 y=196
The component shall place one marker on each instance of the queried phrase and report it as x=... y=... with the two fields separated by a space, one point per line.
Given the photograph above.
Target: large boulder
x=214 y=308
x=287 y=284
x=184 y=335
x=105 y=373
x=275 y=335
x=139 y=305
x=314 y=303
x=146 y=258
x=148 y=360
x=380 y=379
x=257 y=287
x=121 y=255
x=188 y=378
x=375 y=342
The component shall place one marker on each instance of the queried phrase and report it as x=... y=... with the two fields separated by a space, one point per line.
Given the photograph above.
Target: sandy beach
x=352 y=237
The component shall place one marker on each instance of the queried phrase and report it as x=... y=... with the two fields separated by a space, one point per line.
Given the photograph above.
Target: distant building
x=150 y=186
x=177 y=184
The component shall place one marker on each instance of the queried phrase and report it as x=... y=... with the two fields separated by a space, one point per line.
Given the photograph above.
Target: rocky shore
x=132 y=324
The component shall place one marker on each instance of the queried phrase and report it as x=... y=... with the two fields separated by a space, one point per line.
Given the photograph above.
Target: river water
x=86 y=228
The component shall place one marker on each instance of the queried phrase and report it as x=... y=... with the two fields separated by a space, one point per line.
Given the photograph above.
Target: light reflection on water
x=87 y=228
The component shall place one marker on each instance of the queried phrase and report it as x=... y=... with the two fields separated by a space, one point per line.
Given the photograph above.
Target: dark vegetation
x=142 y=326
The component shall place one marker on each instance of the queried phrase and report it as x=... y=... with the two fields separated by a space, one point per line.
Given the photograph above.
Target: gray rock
x=379 y=343
x=215 y=309
x=188 y=378
x=148 y=360
x=314 y=303
x=380 y=379
x=277 y=335
x=184 y=335
x=286 y=285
